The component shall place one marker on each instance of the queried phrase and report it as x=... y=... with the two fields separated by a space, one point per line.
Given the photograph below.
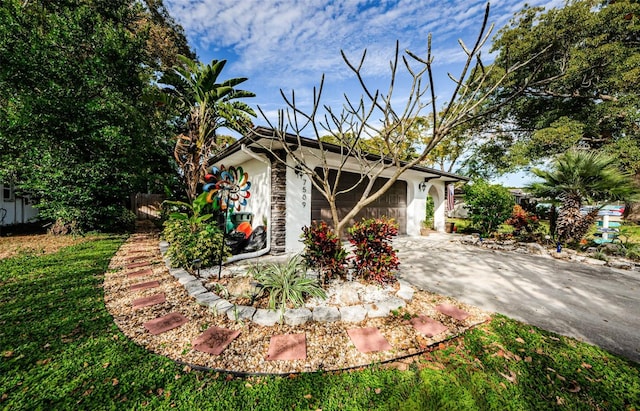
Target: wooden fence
x=147 y=206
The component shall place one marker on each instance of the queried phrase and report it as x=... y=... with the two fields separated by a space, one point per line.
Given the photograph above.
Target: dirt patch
x=36 y=244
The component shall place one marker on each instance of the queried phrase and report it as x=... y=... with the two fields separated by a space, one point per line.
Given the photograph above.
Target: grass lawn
x=59 y=349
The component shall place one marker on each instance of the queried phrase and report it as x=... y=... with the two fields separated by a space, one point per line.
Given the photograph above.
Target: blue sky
x=290 y=44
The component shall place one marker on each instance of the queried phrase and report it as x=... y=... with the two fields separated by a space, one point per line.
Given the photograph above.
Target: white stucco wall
x=298 y=209
x=416 y=203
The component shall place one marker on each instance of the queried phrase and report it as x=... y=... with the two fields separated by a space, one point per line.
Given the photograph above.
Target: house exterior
x=284 y=199
x=14 y=209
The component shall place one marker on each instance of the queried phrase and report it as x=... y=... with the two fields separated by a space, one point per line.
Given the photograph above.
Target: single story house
x=14 y=209
x=283 y=199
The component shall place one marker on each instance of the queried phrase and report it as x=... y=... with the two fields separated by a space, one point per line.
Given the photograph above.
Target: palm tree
x=579 y=176
x=205 y=105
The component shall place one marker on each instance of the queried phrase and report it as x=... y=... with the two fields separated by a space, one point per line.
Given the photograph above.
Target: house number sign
x=305 y=192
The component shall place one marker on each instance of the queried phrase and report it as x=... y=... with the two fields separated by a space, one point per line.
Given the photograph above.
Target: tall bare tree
x=356 y=120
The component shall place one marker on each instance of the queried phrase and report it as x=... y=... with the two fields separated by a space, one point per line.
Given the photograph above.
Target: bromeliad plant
x=323 y=249
x=192 y=235
x=375 y=258
x=287 y=283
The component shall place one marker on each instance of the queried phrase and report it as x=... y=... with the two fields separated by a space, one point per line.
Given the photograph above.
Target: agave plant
x=287 y=283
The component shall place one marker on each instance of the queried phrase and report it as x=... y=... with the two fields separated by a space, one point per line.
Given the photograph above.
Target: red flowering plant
x=374 y=256
x=323 y=249
x=522 y=220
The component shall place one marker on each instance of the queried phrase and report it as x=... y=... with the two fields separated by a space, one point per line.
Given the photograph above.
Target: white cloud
x=291 y=43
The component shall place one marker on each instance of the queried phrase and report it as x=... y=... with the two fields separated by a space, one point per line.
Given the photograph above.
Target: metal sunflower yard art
x=227 y=188
x=228 y=191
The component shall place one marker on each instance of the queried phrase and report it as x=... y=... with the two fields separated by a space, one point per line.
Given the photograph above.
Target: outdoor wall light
x=423 y=186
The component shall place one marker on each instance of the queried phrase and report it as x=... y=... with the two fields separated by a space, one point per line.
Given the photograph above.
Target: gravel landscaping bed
x=328 y=346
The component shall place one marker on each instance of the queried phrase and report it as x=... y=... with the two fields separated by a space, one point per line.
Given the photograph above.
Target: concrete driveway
x=599 y=305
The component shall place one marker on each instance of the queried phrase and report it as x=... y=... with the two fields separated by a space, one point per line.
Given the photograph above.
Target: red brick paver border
x=452 y=311
x=287 y=347
x=215 y=340
x=165 y=323
x=368 y=339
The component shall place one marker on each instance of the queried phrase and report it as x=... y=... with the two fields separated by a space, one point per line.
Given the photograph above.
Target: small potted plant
x=427 y=223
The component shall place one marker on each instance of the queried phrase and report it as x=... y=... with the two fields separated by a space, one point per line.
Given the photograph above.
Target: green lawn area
x=59 y=349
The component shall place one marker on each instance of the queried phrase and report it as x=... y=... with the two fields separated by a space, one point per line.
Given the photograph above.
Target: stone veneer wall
x=278 y=204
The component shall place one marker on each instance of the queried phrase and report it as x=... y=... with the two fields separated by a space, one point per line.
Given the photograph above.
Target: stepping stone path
x=452 y=311
x=140 y=273
x=428 y=326
x=283 y=347
x=137 y=265
x=144 y=286
x=215 y=340
x=287 y=347
x=149 y=301
x=165 y=323
x=368 y=339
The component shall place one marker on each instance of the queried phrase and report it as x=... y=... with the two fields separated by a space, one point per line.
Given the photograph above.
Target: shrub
x=522 y=220
x=122 y=220
x=287 y=283
x=187 y=244
x=323 y=249
x=192 y=235
x=375 y=258
x=489 y=205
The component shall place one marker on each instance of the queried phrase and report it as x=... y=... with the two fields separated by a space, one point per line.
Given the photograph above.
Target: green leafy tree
x=579 y=176
x=204 y=106
x=489 y=205
x=583 y=93
x=76 y=132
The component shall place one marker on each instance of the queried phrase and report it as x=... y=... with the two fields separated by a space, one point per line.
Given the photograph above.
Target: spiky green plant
x=579 y=176
x=287 y=283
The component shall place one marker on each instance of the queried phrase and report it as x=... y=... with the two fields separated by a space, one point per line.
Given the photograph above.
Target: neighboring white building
x=284 y=198
x=14 y=209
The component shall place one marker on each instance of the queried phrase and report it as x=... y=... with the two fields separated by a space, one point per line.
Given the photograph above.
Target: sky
x=288 y=45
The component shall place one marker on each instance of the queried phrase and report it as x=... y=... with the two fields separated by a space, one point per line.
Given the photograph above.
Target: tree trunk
x=632 y=212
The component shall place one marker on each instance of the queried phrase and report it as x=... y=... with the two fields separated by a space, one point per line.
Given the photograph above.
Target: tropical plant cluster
x=522 y=220
x=323 y=250
x=374 y=258
x=193 y=235
x=579 y=177
x=287 y=284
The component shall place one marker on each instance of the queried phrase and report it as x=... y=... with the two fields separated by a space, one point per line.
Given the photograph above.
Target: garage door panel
x=392 y=204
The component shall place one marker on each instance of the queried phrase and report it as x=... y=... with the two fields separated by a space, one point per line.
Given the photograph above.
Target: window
x=7 y=193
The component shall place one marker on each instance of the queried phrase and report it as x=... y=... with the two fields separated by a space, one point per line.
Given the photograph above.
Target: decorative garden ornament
x=228 y=190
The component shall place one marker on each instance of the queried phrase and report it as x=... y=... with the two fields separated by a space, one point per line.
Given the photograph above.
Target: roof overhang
x=267 y=140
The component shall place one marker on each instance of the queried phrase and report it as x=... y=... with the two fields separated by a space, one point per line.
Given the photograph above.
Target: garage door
x=392 y=204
